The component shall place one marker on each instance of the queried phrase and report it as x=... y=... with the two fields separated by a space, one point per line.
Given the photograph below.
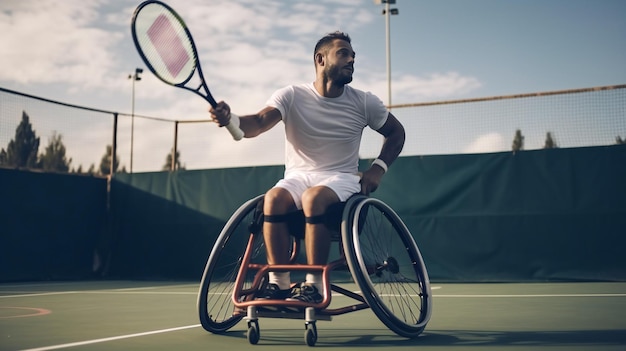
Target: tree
x=168 y=162
x=53 y=159
x=22 y=151
x=105 y=162
x=550 y=142
x=619 y=140
x=518 y=141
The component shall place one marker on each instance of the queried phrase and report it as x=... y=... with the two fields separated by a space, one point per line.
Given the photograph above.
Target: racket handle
x=233 y=127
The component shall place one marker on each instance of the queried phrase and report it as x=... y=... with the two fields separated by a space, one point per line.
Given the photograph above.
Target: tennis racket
x=165 y=45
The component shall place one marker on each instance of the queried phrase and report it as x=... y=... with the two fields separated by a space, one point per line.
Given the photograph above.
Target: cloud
x=491 y=142
x=434 y=86
x=409 y=88
x=54 y=42
x=247 y=48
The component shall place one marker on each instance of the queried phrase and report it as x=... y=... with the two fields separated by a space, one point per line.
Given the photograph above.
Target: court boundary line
x=41 y=294
x=39 y=312
x=117 y=291
x=101 y=292
x=136 y=290
x=112 y=338
x=528 y=295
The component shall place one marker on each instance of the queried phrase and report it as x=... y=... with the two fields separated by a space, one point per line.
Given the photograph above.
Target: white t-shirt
x=324 y=134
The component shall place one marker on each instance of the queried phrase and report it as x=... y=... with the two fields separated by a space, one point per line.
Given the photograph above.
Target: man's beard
x=337 y=75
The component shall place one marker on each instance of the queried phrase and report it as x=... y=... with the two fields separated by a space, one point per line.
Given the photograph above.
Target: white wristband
x=234 y=120
x=380 y=163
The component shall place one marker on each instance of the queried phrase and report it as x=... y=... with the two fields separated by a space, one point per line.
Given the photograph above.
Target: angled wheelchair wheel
x=387 y=265
x=215 y=305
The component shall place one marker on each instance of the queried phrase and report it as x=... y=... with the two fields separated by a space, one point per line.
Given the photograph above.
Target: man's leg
x=278 y=202
x=317 y=236
x=317 y=240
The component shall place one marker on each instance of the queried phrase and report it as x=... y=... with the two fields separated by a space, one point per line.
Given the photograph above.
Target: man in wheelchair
x=324 y=121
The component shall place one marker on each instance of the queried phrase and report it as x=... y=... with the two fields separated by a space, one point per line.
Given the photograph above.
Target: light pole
x=388 y=12
x=135 y=77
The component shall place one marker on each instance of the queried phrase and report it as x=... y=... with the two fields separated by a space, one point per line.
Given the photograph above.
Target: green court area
x=147 y=315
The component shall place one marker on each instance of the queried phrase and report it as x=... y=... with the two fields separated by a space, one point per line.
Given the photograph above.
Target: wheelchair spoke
x=215 y=306
x=387 y=265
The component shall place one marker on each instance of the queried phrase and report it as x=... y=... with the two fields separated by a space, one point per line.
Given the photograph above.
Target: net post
x=114 y=145
x=175 y=148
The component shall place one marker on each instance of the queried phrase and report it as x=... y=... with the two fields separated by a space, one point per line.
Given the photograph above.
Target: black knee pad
x=281 y=218
x=294 y=220
x=315 y=219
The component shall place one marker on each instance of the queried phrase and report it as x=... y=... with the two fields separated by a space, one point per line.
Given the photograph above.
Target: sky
x=81 y=52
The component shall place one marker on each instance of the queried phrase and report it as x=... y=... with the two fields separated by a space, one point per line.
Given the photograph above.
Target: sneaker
x=306 y=293
x=273 y=292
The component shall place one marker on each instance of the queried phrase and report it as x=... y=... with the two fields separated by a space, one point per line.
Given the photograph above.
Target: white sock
x=282 y=279
x=316 y=280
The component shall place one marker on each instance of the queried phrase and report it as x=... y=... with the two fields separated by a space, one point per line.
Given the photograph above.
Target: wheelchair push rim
x=387 y=265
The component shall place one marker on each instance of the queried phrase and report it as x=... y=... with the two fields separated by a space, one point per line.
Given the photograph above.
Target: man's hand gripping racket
x=167 y=48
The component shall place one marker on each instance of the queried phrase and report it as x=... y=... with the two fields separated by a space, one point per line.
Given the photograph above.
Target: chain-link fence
x=571 y=118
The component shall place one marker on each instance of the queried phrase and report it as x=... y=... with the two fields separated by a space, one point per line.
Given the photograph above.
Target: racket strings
x=165 y=44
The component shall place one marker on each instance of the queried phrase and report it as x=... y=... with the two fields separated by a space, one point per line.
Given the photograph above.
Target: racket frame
x=197 y=68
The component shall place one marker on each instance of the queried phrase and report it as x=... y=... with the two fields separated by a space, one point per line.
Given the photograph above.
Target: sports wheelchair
x=376 y=251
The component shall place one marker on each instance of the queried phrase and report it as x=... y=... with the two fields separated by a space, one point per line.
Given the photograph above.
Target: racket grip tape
x=233 y=127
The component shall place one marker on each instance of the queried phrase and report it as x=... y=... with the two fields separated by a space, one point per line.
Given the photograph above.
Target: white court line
x=532 y=295
x=141 y=290
x=42 y=294
x=157 y=287
x=105 y=292
x=125 y=291
x=113 y=338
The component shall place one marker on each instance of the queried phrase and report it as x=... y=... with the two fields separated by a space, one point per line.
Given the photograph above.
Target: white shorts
x=343 y=184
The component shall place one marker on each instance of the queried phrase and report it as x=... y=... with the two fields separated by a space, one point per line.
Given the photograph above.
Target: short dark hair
x=329 y=38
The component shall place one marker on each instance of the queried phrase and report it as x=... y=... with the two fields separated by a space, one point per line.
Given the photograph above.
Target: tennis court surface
x=147 y=315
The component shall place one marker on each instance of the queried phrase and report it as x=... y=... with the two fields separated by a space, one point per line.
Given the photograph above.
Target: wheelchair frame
x=354 y=255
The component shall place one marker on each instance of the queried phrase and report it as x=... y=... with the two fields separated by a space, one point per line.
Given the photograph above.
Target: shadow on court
x=512 y=338
x=450 y=339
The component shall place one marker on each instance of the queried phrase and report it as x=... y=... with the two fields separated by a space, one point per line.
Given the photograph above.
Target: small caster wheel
x=254 y=334
x=310 y=335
